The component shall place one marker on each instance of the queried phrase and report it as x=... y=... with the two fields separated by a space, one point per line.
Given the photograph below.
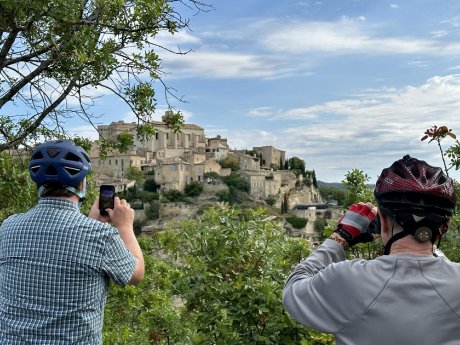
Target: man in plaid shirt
x=56 y=263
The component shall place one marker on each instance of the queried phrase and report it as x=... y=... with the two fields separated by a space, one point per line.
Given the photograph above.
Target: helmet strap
x=428 y=227
x=80 y=193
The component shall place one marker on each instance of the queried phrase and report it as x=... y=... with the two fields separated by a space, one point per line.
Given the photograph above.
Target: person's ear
x=81 y=185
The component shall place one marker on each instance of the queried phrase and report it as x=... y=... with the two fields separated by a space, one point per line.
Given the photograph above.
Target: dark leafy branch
x=50 y=51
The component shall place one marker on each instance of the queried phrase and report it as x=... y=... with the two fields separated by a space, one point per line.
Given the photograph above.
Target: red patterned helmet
x=410 y=183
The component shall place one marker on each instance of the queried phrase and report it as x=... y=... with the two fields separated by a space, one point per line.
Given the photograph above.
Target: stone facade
x=270 y=157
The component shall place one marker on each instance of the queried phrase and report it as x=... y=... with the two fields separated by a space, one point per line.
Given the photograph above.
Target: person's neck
x=74 y=198
x=410 y=245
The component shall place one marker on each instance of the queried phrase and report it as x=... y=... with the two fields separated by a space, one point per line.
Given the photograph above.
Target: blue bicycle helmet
x=59 y=162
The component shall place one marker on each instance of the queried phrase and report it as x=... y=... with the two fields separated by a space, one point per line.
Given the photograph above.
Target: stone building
x=270 y=157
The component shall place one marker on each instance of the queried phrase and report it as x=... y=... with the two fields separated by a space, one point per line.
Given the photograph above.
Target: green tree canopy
x=54 y=54
x=134 y=173
x=297 y=165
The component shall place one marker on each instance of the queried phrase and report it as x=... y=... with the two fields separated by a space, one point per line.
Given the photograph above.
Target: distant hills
x=335 y=185
x=338 y=185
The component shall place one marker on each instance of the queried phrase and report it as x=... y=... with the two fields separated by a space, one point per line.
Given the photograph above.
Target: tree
x=357 y=189
x=57 y=53
x=297 y=166
x=235 y=263
x=332 y=193
x=236 y=181
x=150 y=185
x=134 y=173
x=230 y=162
x=18 y=192
x=193 y=189
x=439 y=134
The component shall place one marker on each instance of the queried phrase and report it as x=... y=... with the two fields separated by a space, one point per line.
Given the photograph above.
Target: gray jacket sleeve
x=317 y=293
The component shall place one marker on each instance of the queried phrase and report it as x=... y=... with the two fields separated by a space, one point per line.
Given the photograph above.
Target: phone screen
x=106 y=198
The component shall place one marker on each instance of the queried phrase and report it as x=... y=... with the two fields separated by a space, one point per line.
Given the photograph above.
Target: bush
x=174 y=195
x=193 y=189
x=297 y=222
x=149 y=196
x=235 y=263
x=150 y=185
x=152 y=211
x=236 y=181
x=271 y=200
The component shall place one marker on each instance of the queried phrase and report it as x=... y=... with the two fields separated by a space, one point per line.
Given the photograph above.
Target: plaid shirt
x=55 y=266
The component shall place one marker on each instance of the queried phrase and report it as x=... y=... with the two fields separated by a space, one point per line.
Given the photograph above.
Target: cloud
x=213 y=64
x=346 y=36
x=261 y=112
x=272 y=48
x=368 y=132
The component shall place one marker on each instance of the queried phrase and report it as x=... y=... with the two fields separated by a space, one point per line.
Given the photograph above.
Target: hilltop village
x=177 y=159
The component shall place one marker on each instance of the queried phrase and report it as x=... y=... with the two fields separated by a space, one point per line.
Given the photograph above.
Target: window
x=110 y=162
x=156 y=136
x=116 y=161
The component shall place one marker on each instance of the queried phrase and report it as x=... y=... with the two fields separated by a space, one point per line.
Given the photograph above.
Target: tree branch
x=43 y=115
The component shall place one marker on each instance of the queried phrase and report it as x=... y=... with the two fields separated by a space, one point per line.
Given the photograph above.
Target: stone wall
x=177 y=210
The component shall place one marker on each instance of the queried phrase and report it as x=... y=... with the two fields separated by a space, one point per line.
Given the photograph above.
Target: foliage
x=357 y=188
x=173 y=195
x=150 y=185
x=236 y=181
x=297 y=222
x=235 y=263
x=193 y=189
x=55 y=54
x=134 y=173
x=18 y=192
x=320 y=224
x=212 y=175
x=230 y=162
x=297 y=166
x=152 y=211
x=311 y=174
x=149 y=196
x=145 y=313
x=132 y=194
x=285 y=204
x=438 y=134
x=271 y=200
x=450 y=240
x=331 y=193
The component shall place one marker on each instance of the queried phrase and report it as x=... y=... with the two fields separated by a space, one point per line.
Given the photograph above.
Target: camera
x=374 y=226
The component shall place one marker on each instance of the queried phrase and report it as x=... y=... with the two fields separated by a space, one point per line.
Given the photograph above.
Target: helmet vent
x=35 y=168
x=429 y=174
x=415 y=171
x=399 y=173
x=37 y=155
x=86 y=156
x=51 y=170
x=72 y=171
x=53 y=152
x=72 y=157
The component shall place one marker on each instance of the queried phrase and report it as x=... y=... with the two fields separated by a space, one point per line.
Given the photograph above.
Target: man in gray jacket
x=408 y=296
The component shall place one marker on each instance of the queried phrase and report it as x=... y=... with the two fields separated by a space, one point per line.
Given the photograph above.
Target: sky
x=341 y=84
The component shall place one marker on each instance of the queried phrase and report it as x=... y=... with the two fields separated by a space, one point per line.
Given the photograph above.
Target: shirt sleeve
x=118 y=262
x=314 y=292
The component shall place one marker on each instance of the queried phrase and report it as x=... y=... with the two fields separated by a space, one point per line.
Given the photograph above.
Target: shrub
x=193 y=189
x=297 y=222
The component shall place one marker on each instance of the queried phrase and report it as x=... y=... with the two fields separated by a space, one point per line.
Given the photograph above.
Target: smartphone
x=374 y=226
x=106 y=198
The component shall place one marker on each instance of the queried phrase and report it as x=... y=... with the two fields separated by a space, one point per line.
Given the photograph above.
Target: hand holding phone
x=106 y=198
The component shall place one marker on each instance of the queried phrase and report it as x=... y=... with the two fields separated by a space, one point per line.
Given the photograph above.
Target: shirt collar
x=58 y=203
